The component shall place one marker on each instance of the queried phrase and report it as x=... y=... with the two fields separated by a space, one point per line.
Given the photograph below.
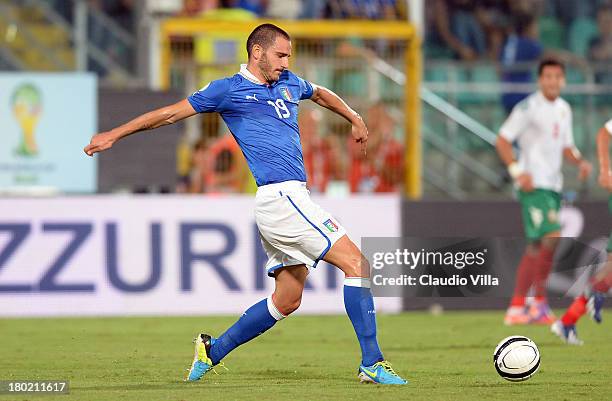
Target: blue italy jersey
x=263 y=120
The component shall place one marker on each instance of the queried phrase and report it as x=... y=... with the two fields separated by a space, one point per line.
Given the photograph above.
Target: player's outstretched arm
x=603 y=156
x=151 y=120
x=328 y=99
x=572 y=154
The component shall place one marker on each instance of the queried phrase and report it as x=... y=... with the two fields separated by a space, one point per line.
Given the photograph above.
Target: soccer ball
x=516 y=358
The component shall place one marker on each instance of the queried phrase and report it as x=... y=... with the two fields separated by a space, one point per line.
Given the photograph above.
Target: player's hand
x=525 y=182
x=605 y=180
x=584 y=170
x=360 y=133
x=100 y=142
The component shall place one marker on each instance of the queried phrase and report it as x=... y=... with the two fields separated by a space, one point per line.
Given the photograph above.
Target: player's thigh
x=289 y=282
x=540 y=212
x=551 y=239
x=347 y=257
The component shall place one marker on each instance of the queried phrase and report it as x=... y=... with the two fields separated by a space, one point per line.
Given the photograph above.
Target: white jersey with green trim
x=542 y=129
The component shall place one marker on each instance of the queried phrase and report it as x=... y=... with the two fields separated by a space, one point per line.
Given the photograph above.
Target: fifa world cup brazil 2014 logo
x=27 y=108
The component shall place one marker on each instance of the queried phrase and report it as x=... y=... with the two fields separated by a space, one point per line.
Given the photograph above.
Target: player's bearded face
x=552 y=81
x=275 y=60
x=267 y=69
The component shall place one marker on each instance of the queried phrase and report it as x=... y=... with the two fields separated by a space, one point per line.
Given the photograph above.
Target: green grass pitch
x=447 y=357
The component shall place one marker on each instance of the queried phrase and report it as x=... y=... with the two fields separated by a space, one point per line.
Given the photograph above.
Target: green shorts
x=540 y=211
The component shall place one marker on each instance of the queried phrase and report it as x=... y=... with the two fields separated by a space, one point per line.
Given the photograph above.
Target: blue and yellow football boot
x=201 y=360
x=379 y=373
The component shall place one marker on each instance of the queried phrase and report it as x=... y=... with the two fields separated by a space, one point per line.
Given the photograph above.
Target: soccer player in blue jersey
x=260 y=106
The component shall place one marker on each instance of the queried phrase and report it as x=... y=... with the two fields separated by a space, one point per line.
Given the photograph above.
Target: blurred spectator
x=532 y=7
x=285 y=9
x=389 y=152
x=521 y=47
x=459 y=29
x=199 y=162
x=494 y=16
x=225 y=168
x=381 y=169
x=363 y=9
x=257 y=7
x=305 y=9
x=229 y=10
x=373 y=9
x=351 y=76
x=566 y=11
x=193 y=8
x=321 y=156
x=600 y=49
x=313 y=9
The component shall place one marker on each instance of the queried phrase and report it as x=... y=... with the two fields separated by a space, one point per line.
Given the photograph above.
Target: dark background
x=485 y=219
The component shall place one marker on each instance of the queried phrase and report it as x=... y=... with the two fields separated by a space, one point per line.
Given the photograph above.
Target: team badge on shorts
x=331 y=226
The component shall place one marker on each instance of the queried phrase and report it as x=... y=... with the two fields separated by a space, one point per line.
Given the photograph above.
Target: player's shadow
x=504 y=384
x=171 y=385
x=287 y=379
x=422 y=347
x=127 y=387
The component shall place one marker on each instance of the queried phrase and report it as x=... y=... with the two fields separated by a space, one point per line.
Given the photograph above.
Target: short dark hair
x=550 y=62
x=264 y=36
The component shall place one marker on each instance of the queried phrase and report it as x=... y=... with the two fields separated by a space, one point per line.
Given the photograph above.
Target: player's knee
x=288 y=304
x=533 y=249
x=550 y=242
x=357 y=266
x=293 y=305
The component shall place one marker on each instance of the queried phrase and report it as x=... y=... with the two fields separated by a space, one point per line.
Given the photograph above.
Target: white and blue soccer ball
x=516 y=358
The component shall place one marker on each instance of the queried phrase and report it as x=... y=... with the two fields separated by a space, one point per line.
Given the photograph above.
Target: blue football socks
x=255 y=321
x=359 y=306
x=260 y=317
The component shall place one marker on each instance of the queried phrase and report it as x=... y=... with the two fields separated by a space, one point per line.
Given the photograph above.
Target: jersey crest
x=284 y=91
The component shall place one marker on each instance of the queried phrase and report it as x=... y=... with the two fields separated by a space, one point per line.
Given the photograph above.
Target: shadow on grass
x=427 y=348
x=285 y=379
x=172 y=385
x=504 y=384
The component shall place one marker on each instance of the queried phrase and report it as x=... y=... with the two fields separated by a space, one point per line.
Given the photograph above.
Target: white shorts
x=293 y=229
